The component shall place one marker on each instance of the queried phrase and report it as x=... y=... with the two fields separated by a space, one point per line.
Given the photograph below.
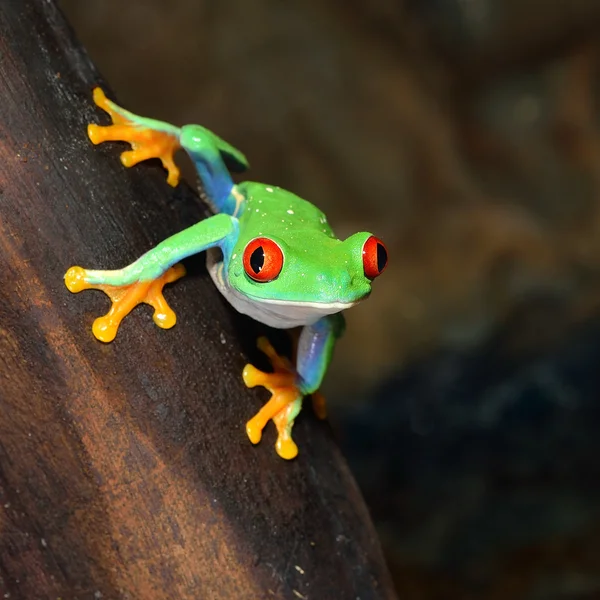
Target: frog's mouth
x=284 y=314
x=281 y=314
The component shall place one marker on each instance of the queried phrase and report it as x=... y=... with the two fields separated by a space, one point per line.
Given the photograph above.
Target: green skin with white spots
x=318 y=268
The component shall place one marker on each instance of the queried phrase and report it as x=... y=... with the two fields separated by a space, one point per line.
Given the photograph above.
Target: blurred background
x=465 y=134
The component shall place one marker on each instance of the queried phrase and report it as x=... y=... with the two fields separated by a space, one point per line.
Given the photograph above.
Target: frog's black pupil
x=257 y=260
x=381 y=257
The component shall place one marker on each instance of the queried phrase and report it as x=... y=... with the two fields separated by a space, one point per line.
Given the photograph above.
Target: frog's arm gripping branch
x=150 y=138
x=144 y=279
x=289 y=385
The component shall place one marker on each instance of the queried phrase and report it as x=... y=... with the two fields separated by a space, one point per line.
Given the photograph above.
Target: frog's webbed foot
x=125 y=298
x=148 y=138
x=285 y=402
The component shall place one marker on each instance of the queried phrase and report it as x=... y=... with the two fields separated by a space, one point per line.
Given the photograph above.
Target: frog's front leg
x=289 y=385
x=125 y=296
x=143 y=280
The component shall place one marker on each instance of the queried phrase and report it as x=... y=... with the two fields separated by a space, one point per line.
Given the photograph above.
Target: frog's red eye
x=375 y=257
x=263 y=259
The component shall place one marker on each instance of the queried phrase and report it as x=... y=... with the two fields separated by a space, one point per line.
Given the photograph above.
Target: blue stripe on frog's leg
x=143 y=280
x=211 y=155
x=289 y=385
x=315 y=349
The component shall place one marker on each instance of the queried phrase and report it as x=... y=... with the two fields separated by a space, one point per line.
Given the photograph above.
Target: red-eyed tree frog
x=271 y=254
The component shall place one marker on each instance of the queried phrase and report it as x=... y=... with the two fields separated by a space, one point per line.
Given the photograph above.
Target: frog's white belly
x=274 y=313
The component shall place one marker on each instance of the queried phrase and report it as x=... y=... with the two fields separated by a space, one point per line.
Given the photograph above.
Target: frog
x=271 y=254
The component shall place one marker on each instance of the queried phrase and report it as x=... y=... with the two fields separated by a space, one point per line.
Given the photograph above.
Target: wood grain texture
x=125 y=471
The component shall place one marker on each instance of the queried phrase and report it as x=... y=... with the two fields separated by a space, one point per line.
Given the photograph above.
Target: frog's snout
x=360 y=286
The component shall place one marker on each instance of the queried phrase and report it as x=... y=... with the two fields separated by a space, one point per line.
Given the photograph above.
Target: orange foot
x=148 y=138
x=126 y=298
x=285 y=402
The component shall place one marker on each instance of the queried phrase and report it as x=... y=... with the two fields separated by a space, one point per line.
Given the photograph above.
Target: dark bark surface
x=467 y=136
x=125 y=471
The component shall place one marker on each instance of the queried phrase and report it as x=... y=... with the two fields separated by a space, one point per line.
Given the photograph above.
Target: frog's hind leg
x=213 y=157
x=149 y=138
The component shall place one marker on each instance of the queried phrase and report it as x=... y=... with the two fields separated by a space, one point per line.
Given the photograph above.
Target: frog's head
x=305 y=276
